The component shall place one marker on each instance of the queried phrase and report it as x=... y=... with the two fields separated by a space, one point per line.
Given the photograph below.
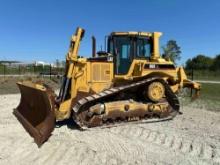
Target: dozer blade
x=36 y=110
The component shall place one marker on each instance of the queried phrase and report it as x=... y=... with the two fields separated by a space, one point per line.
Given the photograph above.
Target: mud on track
x=191 y=138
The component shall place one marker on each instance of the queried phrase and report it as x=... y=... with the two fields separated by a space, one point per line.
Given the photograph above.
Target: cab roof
x=133 y=33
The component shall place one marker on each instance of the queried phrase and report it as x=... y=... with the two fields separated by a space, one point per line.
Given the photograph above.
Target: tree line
x=203 y=62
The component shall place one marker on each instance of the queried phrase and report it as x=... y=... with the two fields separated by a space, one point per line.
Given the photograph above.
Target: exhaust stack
x=93 y=46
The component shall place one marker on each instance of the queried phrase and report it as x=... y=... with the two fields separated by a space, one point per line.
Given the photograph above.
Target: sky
x=41 y=29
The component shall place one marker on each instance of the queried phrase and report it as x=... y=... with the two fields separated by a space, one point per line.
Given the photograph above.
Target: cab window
x=143 y=47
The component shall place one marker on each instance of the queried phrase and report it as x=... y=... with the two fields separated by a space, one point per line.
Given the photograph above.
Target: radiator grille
x=100 y=72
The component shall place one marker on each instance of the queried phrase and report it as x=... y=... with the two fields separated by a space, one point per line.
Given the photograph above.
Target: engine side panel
x=100 y=76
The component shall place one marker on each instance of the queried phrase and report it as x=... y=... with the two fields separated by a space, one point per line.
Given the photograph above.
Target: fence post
x=4 y=70
x=19 y=69
x=192 y=72
x=50 y=71
x=34 y=68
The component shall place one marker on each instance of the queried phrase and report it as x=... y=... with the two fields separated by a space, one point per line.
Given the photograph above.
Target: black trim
x=159 y=66
x=98 y=59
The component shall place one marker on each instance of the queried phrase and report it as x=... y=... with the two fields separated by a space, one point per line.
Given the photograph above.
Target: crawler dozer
x=129 y=81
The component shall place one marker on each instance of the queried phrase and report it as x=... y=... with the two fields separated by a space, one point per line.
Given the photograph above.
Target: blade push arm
x=71 y=58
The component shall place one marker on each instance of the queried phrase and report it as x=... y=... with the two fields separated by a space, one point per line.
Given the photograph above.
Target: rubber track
x=84 y=103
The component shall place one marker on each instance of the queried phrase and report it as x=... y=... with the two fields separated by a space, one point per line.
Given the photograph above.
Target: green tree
x=200 y=62
x=216 y=63
x=189 y=64
x=172 y=51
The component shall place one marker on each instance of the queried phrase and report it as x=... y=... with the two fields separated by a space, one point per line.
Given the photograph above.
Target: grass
x=204 y=75
x=25 y=70
x=210 y=91
x=210 y=95
x=8 y=84
x=208 y=78
x=209 y=98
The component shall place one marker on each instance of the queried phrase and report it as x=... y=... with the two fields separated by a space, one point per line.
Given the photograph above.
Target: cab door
x=123 y=54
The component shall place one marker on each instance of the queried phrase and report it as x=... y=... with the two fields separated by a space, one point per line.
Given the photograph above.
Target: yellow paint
x=93 y=77
x=88 y=76
x=156 y=52
x=155 y=91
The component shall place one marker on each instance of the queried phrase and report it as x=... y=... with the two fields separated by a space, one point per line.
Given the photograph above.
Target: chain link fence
x=210 y=92
x=10 y=74
x=30 y=70
x=205 y=75
x=210 y=89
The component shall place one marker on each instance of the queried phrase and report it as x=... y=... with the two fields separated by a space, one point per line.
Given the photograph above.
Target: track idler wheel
x=155 y=91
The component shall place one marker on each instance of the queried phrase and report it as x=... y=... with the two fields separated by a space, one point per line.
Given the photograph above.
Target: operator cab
x=126 y=46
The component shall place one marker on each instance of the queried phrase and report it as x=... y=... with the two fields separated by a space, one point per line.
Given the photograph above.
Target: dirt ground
x=191 y=138
x=8 y=84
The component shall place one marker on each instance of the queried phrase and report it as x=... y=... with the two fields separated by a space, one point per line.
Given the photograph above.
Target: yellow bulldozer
x=129 y=81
